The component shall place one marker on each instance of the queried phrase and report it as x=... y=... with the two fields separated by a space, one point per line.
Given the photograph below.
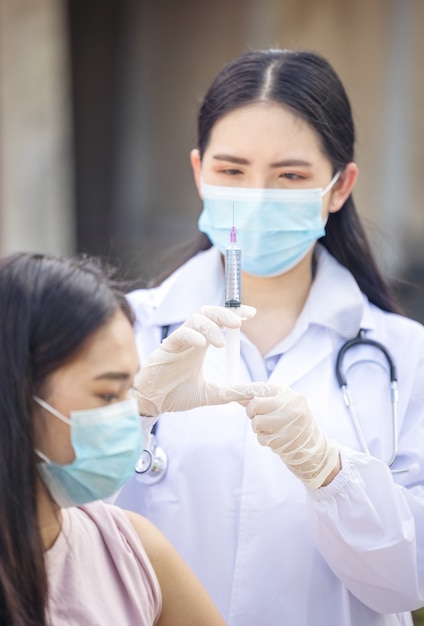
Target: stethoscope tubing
x=341 y=379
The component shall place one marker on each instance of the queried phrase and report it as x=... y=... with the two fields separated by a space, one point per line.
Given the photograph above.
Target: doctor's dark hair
x=306 y=84
x=48 y=307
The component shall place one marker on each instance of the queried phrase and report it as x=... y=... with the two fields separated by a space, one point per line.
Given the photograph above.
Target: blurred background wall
x=37 y=210
x=98 y=105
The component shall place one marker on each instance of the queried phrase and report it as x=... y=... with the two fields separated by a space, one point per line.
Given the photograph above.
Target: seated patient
x=69 y=437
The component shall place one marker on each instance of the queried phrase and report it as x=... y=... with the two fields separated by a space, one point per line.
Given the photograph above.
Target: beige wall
x=169 y=53
x=416 y=224
x=36 y=211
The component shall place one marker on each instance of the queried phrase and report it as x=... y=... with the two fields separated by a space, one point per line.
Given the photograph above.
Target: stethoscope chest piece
x=152 y=463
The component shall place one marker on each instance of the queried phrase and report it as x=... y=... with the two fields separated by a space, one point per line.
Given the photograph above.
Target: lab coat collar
x=335 y=300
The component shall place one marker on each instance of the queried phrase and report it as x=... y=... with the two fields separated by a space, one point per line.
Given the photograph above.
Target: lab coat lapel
x=312 y=348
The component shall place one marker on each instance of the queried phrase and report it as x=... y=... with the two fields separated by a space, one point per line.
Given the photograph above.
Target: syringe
x=233 y=301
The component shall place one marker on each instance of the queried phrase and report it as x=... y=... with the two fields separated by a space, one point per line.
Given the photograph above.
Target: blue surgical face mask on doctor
x=276 y=228
x=106 y=442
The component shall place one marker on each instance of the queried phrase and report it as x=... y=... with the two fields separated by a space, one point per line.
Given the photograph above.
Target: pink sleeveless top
x=99 y=573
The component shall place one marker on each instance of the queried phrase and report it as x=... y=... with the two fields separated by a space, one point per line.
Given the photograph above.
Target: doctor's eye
x=292 y=176
x=231 y=171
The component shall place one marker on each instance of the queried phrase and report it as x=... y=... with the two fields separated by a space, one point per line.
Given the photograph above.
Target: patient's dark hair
x=48 y=307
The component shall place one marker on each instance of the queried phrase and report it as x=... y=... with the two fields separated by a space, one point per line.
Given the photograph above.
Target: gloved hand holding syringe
x=233 y=301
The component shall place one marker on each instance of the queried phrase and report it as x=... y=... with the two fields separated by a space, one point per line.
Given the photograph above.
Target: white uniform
x=269 y=551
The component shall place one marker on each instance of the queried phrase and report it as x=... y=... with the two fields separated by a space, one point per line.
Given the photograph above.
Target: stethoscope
x=153 y=462
x=360 y=339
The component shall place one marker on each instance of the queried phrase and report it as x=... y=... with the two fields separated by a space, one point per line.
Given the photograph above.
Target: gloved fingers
x=242 y=393
x=207 y=323
x=280 y=430
x=182 y=339
x=263 y=405
x=266 y=439
x=247 y=391
x=210 y=328
x=231 y=318
x=287 y=403
x=246 y=312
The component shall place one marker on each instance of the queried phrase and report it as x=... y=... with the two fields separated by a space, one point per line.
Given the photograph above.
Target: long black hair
x=305 y=83
x=48 y=308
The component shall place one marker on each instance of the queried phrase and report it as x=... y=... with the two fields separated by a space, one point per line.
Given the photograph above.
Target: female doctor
x=324 y=523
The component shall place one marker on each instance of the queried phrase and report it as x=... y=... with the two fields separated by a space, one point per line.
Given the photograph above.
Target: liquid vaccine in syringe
x=233 y=301
x=233 y=272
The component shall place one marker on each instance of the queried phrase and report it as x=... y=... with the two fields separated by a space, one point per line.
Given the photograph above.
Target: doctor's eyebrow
x=292 y=163
x=241 y=161
x=231 y=159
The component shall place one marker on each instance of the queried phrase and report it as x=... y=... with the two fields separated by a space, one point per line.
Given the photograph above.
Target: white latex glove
x=284 y=423
x=172 y=377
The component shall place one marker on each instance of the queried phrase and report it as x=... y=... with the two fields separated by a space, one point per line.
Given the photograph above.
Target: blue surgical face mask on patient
x=106 y=442
x=276 y=228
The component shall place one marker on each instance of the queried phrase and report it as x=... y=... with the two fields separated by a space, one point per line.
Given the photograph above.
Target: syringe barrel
x=232 y=276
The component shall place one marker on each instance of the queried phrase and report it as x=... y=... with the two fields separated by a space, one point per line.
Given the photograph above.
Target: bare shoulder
x=154 y=541
x=185 y=602
x=142 y=526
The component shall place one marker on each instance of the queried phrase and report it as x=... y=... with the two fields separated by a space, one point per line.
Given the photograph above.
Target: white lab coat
x=269 y=551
